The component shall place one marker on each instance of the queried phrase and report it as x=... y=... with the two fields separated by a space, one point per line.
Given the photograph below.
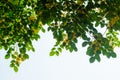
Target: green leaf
x=108 y=55
x=84 y=44
x=97 y=57
x=59 y=49
x=0 y=47
x=75 y=40
x=12 y=65
x=97 y=24
x=113 y=55
x=106 y=45
x=53 y=49
x=71 y=49
x=49 y=28
x=33 y=49
x=5 y=47
x=7 y=56
x=12 y=61
x=52 y=53
x=57 y=53
x=104 y=52
x=70 y=36
x=22 y=50
x=43 y=30
x=84 y=37
x=13 y=56
x=90 y=51
x=73 y=46
x=92 y=59
x=26 y=56
x=17 y=64
x=75 y=49
x=15 y=69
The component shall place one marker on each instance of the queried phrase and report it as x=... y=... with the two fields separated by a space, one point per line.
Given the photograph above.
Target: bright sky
x=67 y=66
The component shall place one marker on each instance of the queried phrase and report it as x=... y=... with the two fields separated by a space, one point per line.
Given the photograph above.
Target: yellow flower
x=33 y=17
x=35 y=30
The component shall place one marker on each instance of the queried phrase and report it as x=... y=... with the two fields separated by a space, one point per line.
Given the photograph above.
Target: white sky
x=67 y=66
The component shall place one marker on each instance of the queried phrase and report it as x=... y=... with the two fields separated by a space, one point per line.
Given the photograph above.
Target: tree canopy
x=68 y=20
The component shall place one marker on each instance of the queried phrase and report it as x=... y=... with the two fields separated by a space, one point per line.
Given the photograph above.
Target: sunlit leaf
x=52 y=53
x=7 y=56
x=57 y=53
x=113 y=55
x=26 y=56
x=15 y=69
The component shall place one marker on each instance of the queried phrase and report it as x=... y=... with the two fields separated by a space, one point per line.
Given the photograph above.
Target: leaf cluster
x=68 y=20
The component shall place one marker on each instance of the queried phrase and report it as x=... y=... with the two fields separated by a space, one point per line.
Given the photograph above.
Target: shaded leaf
x=57 y=53
x=92 y=59
x=85 y=37
x=90 y=51
x=113 y=55
x=97 y=57
x=75 y=40
x=84 y=44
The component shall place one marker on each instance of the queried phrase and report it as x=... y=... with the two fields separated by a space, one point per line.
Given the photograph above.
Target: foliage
x=69 y=20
